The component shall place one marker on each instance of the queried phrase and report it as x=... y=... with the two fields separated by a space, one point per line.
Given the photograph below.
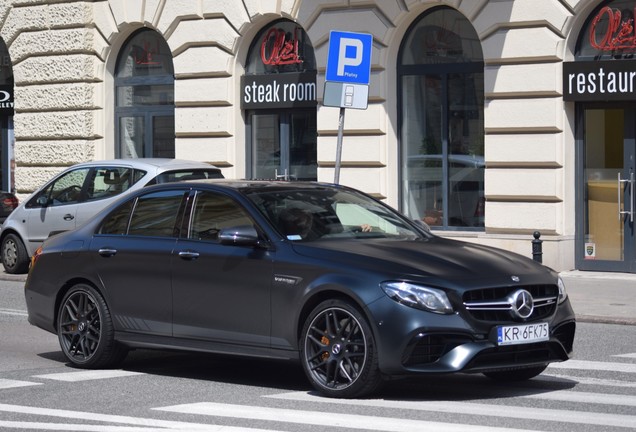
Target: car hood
x=437 y=260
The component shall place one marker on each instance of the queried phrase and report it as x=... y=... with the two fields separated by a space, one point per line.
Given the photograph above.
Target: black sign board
x=285 y=90
x=6 y=100
x=609 y=80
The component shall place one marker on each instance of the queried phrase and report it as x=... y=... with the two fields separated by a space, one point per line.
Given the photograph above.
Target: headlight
x=429 y=299
x=562 y=293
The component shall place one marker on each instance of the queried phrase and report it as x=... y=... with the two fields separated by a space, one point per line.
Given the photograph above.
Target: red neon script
x=277 y=49
x=619 y=34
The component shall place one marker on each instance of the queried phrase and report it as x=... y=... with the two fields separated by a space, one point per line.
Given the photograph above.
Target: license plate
x=523 y=334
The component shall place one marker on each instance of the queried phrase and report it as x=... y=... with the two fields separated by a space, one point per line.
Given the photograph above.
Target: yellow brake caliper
x=325 y=341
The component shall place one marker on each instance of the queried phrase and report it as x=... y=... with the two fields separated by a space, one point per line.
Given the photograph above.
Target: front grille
x=427 y=349
x=493 y=304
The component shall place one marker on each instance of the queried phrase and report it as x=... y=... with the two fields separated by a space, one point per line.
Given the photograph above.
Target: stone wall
x=64 y=53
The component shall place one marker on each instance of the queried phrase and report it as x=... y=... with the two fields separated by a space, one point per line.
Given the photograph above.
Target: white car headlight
x=562 y=293
x=429 y=299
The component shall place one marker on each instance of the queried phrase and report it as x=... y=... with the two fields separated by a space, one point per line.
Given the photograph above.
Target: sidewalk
x=602 y=297
x=596 y=297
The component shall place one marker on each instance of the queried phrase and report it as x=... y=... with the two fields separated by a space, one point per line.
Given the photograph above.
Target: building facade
x=488 y=119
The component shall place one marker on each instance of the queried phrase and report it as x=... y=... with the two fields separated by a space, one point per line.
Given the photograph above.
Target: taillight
x=10 y=202
x=35 y=256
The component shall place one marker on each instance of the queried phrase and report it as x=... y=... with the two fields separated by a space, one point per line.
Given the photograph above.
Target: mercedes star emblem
x=522 y=304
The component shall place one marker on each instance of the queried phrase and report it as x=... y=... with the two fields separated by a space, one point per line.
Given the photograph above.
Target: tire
x=338 y=351
x=85 y=330
x=14 y=255
x=514 y=375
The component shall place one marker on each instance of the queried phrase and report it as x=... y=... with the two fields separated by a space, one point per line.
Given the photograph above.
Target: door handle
x=107 y=252
x=628 y=183
x=189 y=255
x=68 y=217
x=631 y=196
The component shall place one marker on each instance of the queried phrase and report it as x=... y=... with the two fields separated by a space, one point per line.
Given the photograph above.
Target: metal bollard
x=537 y=248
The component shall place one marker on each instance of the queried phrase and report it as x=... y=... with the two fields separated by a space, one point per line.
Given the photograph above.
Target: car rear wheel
x=85 y=329
x=516 y=374
x=338 y=351
x=14 y=255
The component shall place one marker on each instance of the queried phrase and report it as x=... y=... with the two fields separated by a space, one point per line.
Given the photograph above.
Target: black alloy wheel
x=14 y=255
x=85 y=329
x=338 y=351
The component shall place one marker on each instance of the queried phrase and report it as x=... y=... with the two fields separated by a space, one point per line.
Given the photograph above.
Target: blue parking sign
x=349 y=57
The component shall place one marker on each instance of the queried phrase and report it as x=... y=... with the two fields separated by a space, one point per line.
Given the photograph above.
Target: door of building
x=606 y=172
x=283 y=144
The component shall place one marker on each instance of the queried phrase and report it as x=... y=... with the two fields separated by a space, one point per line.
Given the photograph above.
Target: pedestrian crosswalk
x=574 y=395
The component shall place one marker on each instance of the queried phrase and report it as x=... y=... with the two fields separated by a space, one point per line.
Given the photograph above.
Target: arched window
x=279 y=98
x=144 y=97
x=441 y=94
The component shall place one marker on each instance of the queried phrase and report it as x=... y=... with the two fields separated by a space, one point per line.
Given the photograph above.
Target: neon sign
x=145 y=56
x=619 y=34
x=280 y=48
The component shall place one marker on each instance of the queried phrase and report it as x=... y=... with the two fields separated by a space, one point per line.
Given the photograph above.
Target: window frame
x=445 y=71
x=146 y=112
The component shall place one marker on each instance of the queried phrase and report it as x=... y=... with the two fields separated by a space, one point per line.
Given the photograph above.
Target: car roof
x=245 y=185
x=155 y=164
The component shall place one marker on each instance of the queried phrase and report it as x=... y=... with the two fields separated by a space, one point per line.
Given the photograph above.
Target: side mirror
x=242 y=235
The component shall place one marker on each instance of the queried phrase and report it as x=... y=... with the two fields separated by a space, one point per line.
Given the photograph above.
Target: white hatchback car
x=76 y=194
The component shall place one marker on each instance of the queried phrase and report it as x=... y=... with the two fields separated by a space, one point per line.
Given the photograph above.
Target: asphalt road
x=157 y=390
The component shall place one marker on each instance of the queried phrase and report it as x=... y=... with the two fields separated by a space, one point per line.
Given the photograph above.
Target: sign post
x=347 y=78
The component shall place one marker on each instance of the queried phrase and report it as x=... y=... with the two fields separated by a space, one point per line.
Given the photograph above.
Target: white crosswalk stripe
x=595 y=366
x=629 y=356
x=7 y=383
x=580 y=406
x=480 y=409
x=141 y=423
x=586 y=380
x=16 y=312
x=348 y=421
x=583 y=397
x=87 y=375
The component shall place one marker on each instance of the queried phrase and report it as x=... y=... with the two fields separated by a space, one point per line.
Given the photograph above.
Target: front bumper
x=412 y=341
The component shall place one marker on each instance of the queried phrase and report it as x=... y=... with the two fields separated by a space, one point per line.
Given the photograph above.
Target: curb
x=605 y=320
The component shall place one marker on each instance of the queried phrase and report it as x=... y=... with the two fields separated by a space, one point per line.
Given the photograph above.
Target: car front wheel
x=14 y=255
x=338 y=351
x=86 y=331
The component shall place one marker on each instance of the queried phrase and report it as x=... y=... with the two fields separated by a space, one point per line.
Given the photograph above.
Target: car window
x=212 y=213
x=311 y=214
x=64 y=190
x=187 y=174
x=107 y=182
x=156 y=214
x=116 y=223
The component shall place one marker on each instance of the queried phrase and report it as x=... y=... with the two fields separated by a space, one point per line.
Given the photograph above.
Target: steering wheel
x=68 y=194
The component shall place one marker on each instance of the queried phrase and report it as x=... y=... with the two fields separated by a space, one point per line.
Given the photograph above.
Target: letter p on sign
x=349 y=57
x=345 y=48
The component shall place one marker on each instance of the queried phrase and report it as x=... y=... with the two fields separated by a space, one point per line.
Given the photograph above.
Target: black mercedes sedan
x=321 y=274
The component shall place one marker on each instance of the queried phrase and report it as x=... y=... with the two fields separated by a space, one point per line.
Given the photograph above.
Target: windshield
x=313 y=214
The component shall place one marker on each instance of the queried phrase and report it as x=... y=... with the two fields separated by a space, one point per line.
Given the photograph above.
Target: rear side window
x=188 y=174
x=117 y=222
x=156 y=214
x=110 y=181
